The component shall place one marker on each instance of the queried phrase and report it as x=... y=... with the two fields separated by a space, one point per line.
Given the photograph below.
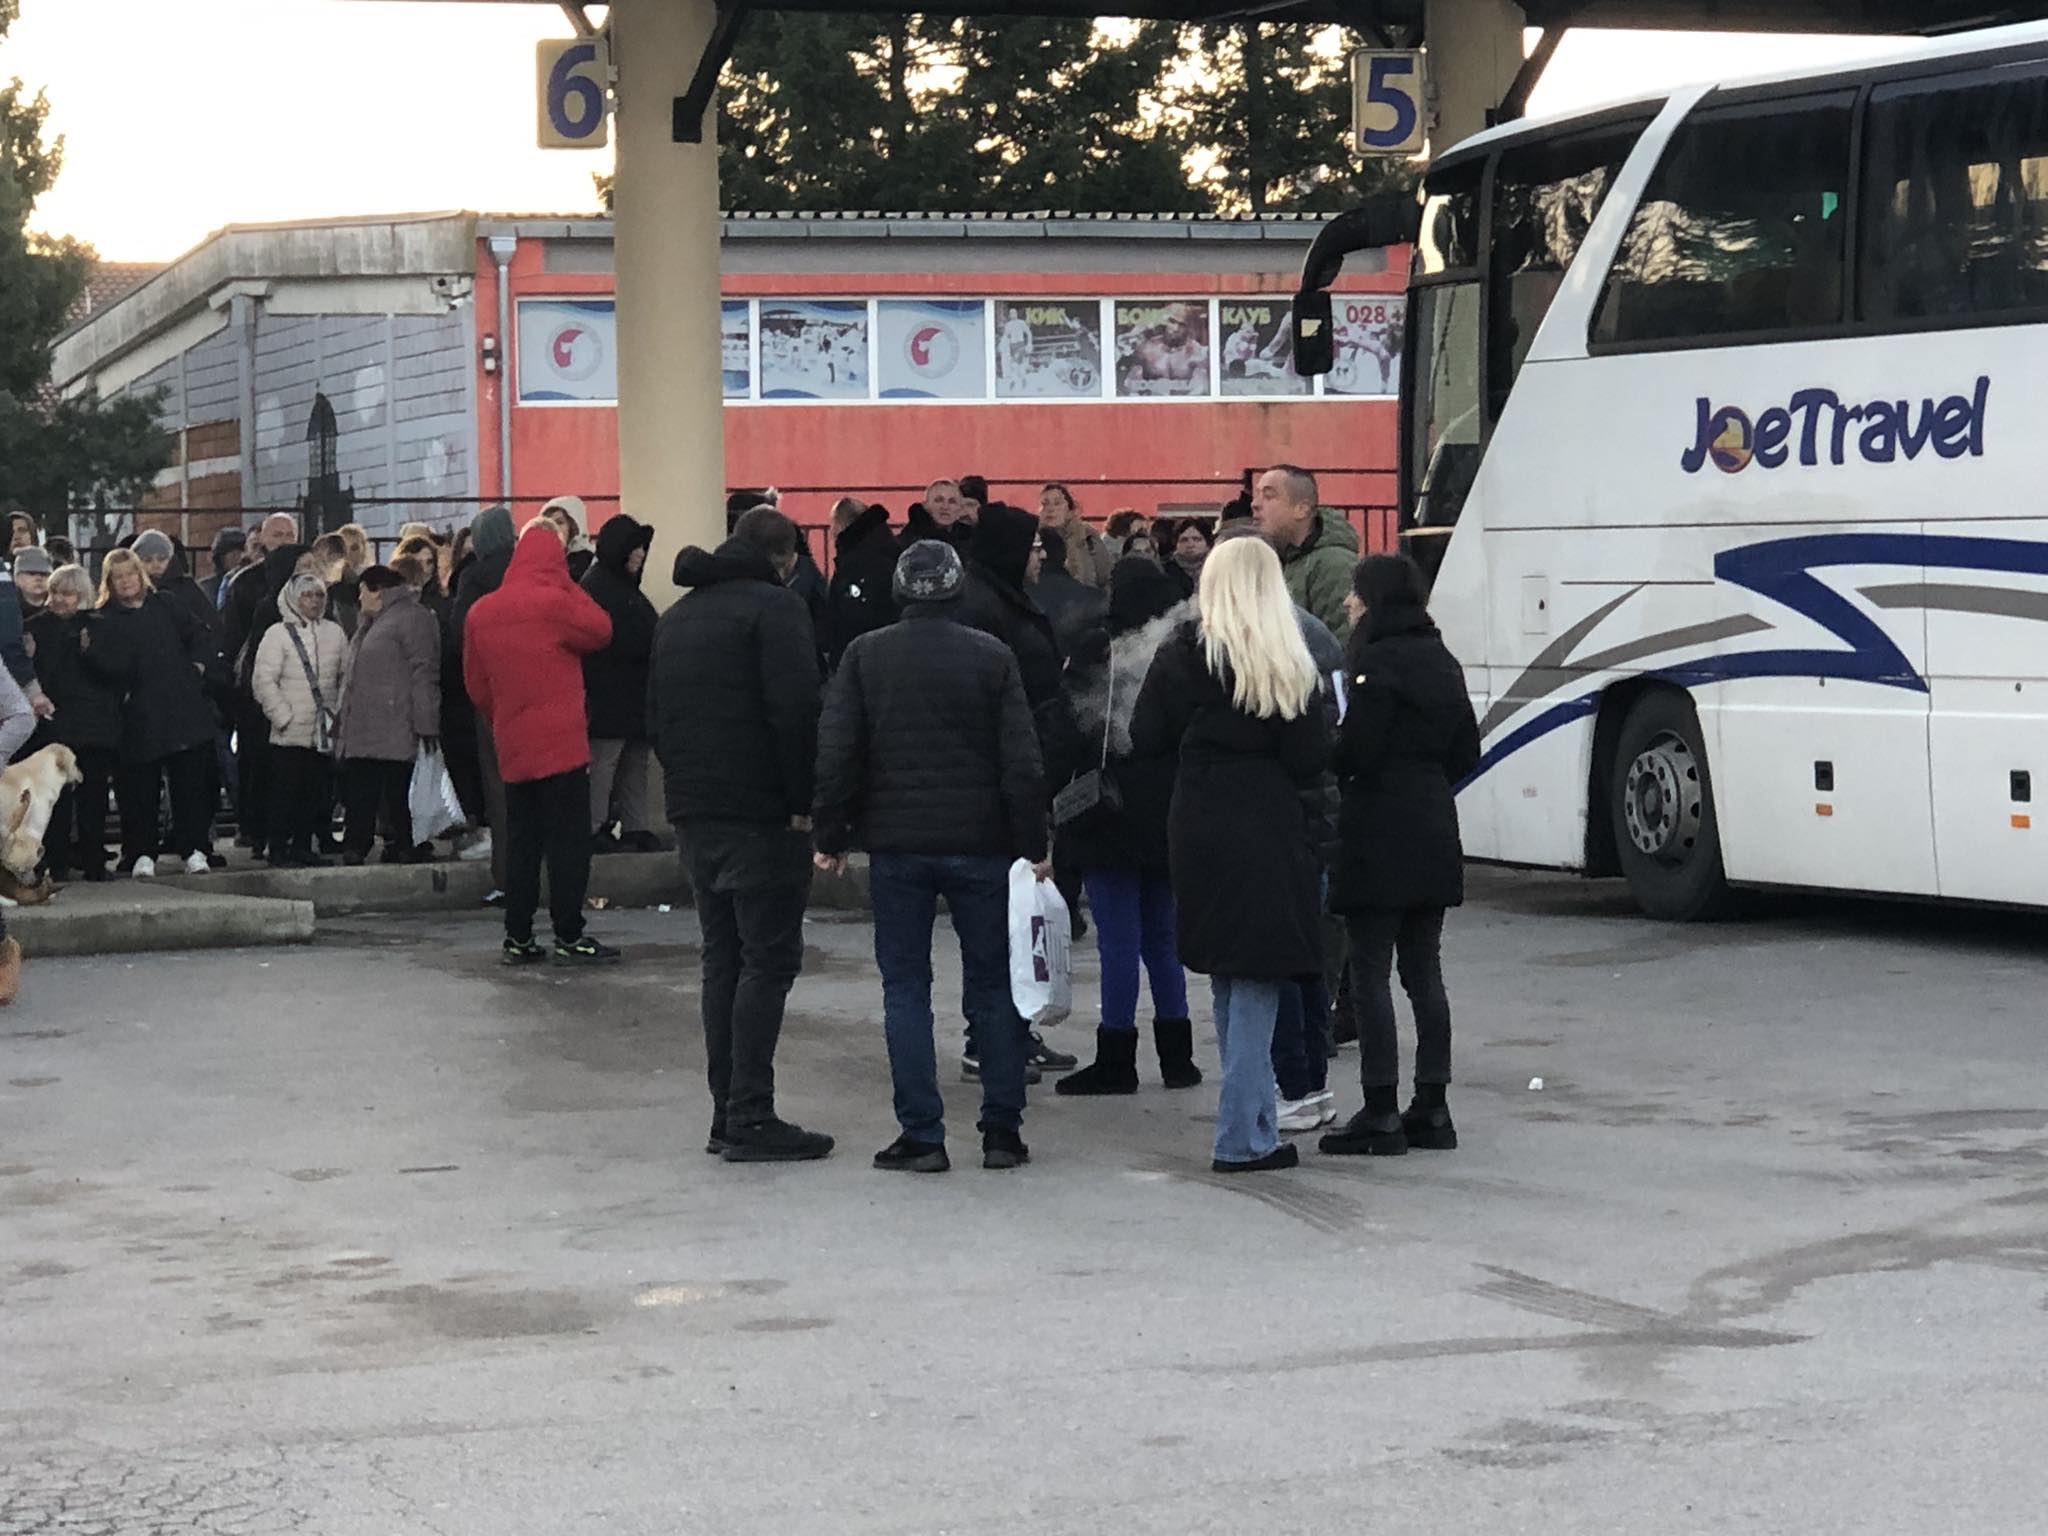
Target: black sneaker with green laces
x=524 y=952
x=585 y=951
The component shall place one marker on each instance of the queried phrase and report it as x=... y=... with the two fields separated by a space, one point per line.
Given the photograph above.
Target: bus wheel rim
x=1662 y=798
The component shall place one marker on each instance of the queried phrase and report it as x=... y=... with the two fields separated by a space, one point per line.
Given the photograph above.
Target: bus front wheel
x=1662 y=800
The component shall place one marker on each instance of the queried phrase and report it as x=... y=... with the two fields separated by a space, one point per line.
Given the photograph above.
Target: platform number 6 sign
x=1387 y=96
x=572 y=84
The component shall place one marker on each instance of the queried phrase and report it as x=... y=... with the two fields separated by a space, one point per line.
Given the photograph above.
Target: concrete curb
x=138 y=915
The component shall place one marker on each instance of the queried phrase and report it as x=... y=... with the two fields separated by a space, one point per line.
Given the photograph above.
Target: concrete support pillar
x=1475 y=49
x=671 y=394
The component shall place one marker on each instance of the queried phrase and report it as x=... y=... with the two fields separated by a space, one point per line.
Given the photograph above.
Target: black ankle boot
x=1175 y=1041
x=1427 y=1120
x=1375 y=1131
x=1114 y=1070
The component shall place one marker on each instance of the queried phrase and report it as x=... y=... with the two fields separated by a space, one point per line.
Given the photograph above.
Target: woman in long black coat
x=615 y=688
x=1236 y=695
x=1408 y=738
x=161 y=659
x=1120 y=851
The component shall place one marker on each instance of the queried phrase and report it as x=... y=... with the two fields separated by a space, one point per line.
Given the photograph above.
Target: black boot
x=1427 y=1120
x=1114 y=1070
x=1175 y=1041
x=1375 y=1131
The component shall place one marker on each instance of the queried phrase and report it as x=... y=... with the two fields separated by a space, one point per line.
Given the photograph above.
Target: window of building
x=1741 y=231
x=1955 y=201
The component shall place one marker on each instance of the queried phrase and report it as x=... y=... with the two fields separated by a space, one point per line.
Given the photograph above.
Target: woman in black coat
x=1120 y=850
x=1236 y=696
x=864 y=552
x=615 y=688
x=88 y=721
x=157 y=657
x=1408 y=738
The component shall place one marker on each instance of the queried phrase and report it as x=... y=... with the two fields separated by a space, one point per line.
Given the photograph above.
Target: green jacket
x=1318 y=570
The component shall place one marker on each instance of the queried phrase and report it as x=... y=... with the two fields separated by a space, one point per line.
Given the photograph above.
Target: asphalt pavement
x=371 y=1238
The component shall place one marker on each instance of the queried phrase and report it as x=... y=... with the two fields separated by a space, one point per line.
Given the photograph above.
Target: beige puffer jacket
x=280 y=682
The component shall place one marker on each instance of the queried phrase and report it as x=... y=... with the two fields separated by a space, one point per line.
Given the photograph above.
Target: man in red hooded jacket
x=522 y=660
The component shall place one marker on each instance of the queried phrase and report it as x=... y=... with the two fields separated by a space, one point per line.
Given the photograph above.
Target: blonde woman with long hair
x=1235 y=695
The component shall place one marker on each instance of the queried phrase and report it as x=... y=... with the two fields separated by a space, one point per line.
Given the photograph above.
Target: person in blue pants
x=1234 y=696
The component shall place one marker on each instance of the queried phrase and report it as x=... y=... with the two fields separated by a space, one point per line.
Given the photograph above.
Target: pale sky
x=184 y=115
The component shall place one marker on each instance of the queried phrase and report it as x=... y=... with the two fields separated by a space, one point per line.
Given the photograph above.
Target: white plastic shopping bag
x=1041 y=967
x=432 y=799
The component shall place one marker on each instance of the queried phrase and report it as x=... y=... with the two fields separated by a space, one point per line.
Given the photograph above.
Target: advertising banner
x=1257 y=351
x=1162 y=348
x=1048 y=350
x=568 y=351
x=814 y=351
x=1368 y=341
x=932 y=349
x=735 y=349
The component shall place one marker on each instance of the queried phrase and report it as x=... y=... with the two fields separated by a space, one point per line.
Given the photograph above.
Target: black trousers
x=370 y=785
x=252 y=771
x=547 y=820
x=77 y=834
x=137 y=787
x=752 y=882
x=1415 y=935
x=301 y=796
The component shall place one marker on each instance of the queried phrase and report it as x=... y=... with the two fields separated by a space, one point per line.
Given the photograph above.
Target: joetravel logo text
x=1817 y=425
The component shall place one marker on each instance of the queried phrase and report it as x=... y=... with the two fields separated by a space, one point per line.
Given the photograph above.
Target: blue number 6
x=575 y=104
x=1381 y=92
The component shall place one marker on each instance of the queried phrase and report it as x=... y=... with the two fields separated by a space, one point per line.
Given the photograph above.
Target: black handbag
x=1093 y=792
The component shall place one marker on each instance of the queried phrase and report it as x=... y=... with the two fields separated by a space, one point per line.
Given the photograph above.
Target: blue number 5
x=1381 y=92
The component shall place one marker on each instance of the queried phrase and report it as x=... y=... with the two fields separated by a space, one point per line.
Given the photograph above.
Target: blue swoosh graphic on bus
x=1782 y=571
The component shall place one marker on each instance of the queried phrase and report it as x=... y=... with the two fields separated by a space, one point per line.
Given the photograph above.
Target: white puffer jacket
x=280 y=681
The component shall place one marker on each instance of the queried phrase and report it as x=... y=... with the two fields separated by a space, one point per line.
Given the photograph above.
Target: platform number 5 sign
x=1387 y=101
x=572 y=84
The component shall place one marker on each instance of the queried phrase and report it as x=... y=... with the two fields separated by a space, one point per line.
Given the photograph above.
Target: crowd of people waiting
x=1240 y=741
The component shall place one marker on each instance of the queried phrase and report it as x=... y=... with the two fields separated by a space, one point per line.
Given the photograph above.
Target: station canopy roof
x=1867 y=16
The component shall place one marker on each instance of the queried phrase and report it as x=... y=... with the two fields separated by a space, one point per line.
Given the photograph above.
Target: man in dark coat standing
x=863 y=562
x=996 y=602
x=491 y=538
x=734 y=698
x=615 y=689
x=928 y=759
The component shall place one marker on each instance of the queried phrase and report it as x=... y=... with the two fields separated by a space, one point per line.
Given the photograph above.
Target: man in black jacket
x=615 y=689
x=734 y=700
x=927 y=758
x=998 y=603
x=863 y=562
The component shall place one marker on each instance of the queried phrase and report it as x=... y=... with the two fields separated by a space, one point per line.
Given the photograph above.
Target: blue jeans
x=904 y=890
x=1246 y=1126
x=1300 y=1060
x=1134 y=921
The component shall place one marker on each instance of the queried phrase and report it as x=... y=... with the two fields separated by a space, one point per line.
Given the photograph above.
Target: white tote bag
x=432 y=799
x=1041 y=965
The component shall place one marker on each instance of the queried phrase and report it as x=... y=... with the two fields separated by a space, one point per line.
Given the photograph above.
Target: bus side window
x=1546 y=196
x=1741 y=230
x=1955 y=202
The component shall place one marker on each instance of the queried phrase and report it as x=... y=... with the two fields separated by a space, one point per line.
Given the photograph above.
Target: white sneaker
x=1301 y=1114
x=1326 y=1101
x=195 y=863
x=145 y=868
x=477 y=849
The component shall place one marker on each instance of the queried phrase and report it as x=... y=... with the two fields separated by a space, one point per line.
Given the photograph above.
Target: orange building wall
x=1145 y=454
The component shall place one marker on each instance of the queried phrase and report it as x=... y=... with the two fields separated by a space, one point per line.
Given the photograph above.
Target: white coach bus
x=1725 y=436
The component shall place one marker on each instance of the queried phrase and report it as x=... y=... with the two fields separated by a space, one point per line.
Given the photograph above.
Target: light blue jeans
x=1246 y=1126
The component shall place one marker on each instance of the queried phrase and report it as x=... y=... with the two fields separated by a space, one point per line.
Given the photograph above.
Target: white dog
x=28 y=794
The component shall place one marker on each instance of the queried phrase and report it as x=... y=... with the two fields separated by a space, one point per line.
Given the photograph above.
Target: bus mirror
x=1388 y=218
x=1315 y=340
